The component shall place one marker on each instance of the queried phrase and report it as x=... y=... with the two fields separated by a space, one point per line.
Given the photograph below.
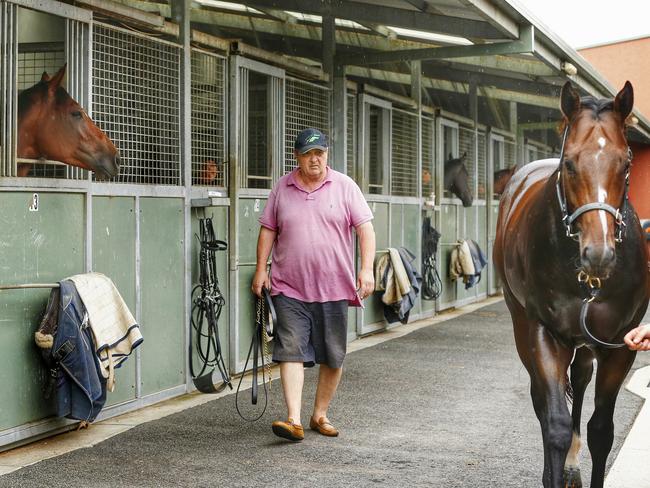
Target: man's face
x=313 y=163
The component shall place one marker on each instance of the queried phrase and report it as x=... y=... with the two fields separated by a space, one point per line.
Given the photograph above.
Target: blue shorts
x=310 y=332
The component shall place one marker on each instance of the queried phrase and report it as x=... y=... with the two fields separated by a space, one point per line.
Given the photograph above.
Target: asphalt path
x=445 y=406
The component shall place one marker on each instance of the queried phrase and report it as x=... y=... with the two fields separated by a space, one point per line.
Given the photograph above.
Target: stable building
x=204 y=99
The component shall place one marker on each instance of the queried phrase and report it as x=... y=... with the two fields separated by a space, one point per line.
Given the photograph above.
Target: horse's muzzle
x=598 y=261
x=109 y=168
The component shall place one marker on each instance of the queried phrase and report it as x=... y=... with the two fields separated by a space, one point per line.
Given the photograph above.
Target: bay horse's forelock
x=538 y=265
x=53 y=126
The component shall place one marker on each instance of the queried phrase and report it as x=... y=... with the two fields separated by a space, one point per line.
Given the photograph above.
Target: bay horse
x=51 y=125
x=501 y=179
x=457 y=179
x=573 y=263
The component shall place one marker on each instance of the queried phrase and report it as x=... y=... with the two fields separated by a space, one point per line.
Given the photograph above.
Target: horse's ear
x=464 y=156
x=569 y=100
x=56 y=80
x=624 y=100
x=45 y=76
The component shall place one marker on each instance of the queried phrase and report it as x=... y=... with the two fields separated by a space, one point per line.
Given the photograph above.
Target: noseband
x=591 y=285
x=567 y=220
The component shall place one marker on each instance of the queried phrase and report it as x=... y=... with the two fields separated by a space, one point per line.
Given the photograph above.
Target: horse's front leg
x=582 y=369
x=613 y=366
x=548 y=390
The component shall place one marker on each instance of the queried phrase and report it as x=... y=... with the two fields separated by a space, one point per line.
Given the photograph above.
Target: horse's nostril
x=598 y=257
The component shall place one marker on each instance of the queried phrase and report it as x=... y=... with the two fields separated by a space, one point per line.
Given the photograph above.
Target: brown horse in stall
x=51 y=125
x=501 y=179
x=571 y=301
x=456 y=179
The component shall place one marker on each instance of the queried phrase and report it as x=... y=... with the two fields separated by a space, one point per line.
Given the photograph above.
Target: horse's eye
x=570 y=166
x=76 y=114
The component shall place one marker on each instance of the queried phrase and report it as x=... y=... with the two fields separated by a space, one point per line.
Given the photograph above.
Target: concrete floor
x=446 y=405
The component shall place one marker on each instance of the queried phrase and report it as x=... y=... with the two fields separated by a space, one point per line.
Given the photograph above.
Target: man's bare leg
x=292 y=376
x=328 y=381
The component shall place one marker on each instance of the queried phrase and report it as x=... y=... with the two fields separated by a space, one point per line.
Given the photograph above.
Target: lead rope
x=593 y=289
x=263 y=333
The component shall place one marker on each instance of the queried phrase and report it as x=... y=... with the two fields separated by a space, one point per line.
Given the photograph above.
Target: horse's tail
x=569 y=389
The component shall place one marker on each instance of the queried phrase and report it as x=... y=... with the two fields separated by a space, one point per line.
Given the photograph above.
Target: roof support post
x=336 y=74
x=181 y=15
x=416 y=95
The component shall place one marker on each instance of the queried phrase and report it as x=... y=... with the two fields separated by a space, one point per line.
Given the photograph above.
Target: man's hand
x=365 y=283
x=260 y=279
x=638 y=339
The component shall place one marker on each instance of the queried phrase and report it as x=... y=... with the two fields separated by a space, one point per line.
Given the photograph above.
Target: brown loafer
x=288 y=430
x=323 y=426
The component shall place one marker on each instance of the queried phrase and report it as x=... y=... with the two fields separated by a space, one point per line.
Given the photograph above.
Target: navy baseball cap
x=310 y=139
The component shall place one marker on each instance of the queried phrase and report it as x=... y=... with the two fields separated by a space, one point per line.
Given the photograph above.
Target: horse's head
x=501 y=179
x=457 y=179
x=52 y=125
x=594 y=171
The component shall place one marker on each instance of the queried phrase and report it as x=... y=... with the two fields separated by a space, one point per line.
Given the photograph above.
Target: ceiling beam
x=453 y=86
x=506 y=67
x=525 y=44
x=494 y=16
x=280 y=15
x=383 y=15
x=382 y=30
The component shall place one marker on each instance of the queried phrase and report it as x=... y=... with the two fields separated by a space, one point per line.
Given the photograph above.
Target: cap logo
x=312 y=138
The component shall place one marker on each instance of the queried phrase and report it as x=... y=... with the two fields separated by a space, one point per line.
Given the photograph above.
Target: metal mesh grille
x=306 y=105
x=33 y=60
x=258 y=151
x=482 y=165
x=404 y=174
x=466 y=138
x=209 y=165
x=374 y=160
x=351 y=135
x=449 y=139
x=510 y=154
x=135 y=86
x=428 y=158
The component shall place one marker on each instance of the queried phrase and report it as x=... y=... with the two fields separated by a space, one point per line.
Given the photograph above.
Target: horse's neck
x=451 y=169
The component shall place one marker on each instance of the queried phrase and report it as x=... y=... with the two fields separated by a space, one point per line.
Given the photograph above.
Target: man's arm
x=264 y=245
x=366 y=278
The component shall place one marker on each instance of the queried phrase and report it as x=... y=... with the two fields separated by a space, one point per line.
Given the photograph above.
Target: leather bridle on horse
x=567 y=220
x=590 y=284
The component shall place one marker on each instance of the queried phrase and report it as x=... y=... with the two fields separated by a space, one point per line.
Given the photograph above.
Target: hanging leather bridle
x=589 y=284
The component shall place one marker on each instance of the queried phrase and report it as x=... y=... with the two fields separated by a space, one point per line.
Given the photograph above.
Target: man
x=308 y=222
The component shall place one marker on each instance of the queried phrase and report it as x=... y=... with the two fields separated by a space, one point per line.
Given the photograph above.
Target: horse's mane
x=596 y=105
x=25 y=97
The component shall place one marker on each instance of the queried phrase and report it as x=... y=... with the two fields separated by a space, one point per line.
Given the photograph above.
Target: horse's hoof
x=572 y=478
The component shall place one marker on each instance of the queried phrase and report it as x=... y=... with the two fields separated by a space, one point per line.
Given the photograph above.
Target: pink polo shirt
x=313 y=257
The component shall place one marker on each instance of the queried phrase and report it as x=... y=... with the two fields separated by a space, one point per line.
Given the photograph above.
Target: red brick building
x=618 y=62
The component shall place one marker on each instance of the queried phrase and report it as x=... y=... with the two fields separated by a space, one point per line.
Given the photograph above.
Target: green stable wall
x=35 y=247
x=49 y=245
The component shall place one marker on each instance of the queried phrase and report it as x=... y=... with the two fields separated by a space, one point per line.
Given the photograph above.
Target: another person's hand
x=638 y=339
x=365 y=283
x=260 y=279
